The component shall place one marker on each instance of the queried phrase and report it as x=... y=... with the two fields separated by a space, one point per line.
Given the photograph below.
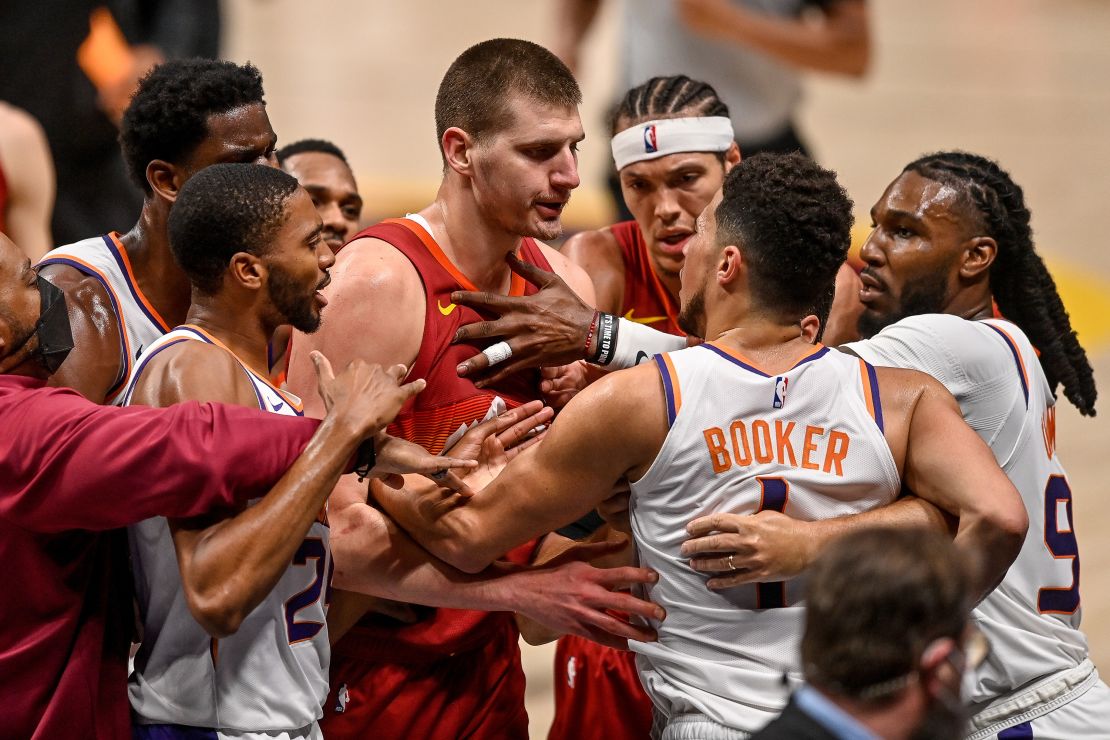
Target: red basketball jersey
x=435 y=417
x=646 y=299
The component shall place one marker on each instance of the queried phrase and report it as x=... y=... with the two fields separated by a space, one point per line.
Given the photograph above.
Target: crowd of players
x=721 y=469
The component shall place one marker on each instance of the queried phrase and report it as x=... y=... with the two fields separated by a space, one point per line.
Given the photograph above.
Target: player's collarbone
x=787 y=443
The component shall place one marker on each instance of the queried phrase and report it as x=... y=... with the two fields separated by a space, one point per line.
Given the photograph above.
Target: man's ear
x=164 y=179
x=458 y=150
x=732 y=156
x=247 y=270
x=979 y=254
x=730 y=265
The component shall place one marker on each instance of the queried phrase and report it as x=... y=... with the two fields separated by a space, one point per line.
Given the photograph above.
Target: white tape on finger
x=499 y=352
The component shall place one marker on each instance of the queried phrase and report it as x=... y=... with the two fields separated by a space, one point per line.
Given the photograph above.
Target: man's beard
x=927 y=295
x=692 y=314
x=292 y=304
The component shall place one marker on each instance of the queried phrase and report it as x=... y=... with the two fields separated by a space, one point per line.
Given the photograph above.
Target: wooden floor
x=1024 y=81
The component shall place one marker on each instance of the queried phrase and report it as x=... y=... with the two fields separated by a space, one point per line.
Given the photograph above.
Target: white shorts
x=694 y=727
x=1072 y=704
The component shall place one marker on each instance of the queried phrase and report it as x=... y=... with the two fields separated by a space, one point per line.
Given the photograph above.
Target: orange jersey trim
x=288 y=398
x=815 y=350
x=130 y=276
x=516 y=286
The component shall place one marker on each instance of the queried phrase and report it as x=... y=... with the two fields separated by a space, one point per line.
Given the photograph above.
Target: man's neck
x=670 y=280
x=972 y=303
x=769 y=342
x=240 y=330
x=890 y=721
x=160 y=279
x=474 y=245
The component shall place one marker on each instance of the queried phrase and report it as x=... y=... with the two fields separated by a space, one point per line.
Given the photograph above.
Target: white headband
x=656 y=139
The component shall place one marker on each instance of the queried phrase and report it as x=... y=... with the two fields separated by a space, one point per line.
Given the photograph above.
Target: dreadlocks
x=667 y=97
x=1021 y=284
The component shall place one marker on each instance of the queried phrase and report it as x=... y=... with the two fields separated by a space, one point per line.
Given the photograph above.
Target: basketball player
x=740 y=424
x=26 y=181
x=508 y=125
x=126 y=291
x=951 y=240
x=634 y=266
x=322 y=170
x=234 y=607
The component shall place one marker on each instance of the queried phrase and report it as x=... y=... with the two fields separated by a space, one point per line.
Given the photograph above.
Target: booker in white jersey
x=272 y=674
x=808 y=442
x=1038 y=655
x=104 y=258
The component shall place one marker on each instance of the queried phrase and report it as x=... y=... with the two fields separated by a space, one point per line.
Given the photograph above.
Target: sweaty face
x=19 y=301
x=298 y=265
x=331 y=184
x=241 y=134
x=665 y=196
x=524 y=174
x=699 y=253
x=912 y=255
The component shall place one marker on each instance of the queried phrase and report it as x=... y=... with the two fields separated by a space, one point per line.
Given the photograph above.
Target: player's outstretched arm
x=546 y=329
x=612 y=429
x=948 y=464
x=228 y=564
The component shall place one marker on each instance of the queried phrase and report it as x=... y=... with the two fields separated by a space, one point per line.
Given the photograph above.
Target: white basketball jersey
x=270 y=675
x=104 y=258
x=1032 y=618
x=808 y=442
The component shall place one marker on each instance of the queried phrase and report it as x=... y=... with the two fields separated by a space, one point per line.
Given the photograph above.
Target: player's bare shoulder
x=192 y=370
x=903 y=394
x=94 y=364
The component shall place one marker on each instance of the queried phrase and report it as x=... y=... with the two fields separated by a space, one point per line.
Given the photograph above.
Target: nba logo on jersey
x=650 y=143
x=780 y=392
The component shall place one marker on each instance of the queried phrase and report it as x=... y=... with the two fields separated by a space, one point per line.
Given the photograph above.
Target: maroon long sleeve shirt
x=71 y=471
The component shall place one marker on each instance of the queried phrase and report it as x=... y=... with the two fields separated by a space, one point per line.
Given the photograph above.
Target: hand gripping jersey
x=401 y=680
x=272 y=674
x=807 y=442
x=1032 y=618
x=646 y=299
x=105 y=258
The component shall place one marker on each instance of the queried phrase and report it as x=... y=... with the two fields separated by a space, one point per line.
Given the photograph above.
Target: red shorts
x=598 y=693
x=477 y=694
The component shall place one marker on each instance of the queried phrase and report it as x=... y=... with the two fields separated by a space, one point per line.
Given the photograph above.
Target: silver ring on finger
x=497 y=353
x=730 y=565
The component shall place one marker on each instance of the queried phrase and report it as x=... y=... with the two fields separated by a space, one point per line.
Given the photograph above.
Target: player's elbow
x=467 y=557
x=217 y=619
x=1009 y=519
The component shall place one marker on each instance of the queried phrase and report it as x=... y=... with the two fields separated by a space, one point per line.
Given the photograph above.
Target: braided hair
x=667 y=97
x=1020 y=283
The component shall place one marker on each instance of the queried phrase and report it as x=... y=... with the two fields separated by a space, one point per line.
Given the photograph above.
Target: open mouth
x=550 y=209
x=675 y=242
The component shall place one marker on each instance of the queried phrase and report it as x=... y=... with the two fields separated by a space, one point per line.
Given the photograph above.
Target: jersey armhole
x=671 y=387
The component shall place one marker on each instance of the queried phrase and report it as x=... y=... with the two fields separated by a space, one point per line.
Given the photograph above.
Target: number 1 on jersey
x=774 y=493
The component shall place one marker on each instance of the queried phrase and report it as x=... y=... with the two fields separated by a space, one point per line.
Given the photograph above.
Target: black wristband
x=366 y=456
x=606 y=339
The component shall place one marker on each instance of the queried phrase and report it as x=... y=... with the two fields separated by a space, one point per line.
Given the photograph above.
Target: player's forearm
x=993 y=540
x=839 y=44
x=374 y=556
x=442 y=525
x=234 y=564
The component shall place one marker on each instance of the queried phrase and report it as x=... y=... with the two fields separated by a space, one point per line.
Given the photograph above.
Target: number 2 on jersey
x=1061 y=543
x=773 y=495
x=297 y=630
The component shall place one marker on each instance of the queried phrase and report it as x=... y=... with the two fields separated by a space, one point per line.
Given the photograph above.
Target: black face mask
x=52 y=328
